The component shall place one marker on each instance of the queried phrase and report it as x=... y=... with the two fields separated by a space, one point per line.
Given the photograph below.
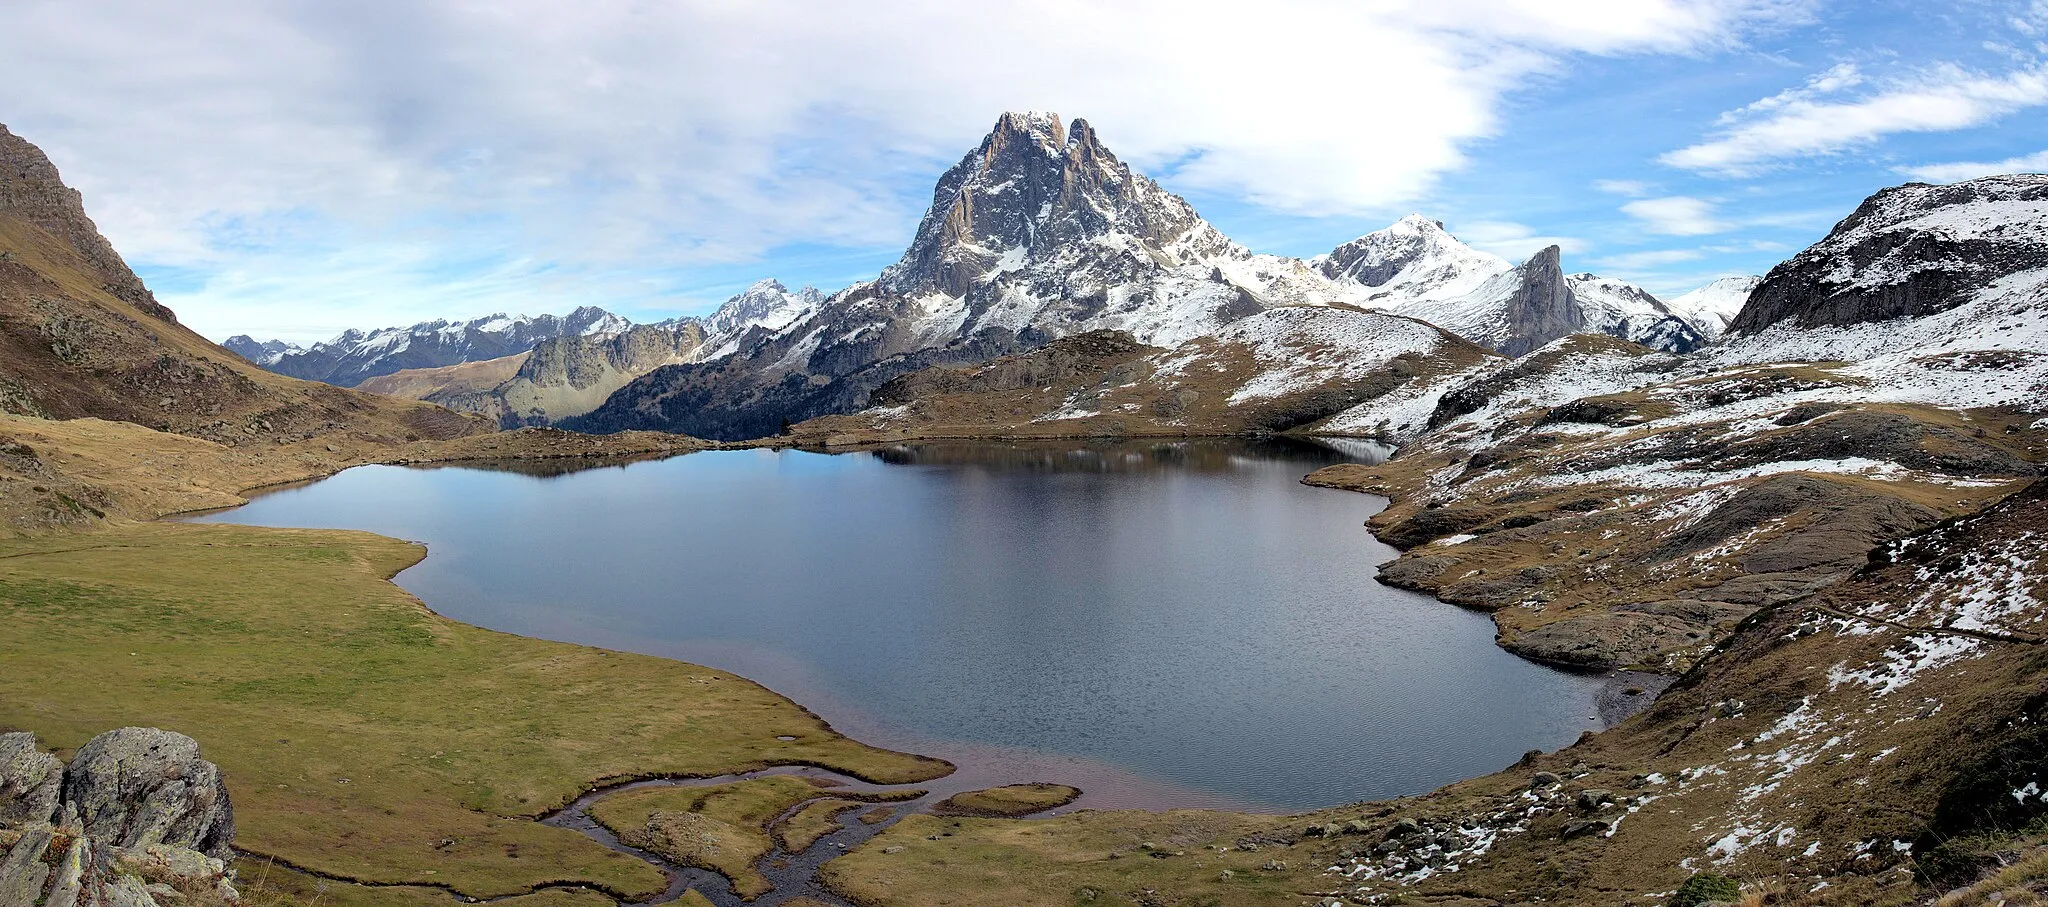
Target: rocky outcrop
x=1541 y=308
x=30 y=780
x=138 y=819
x=135 y=787
x=569 y=376
x=1908 y=251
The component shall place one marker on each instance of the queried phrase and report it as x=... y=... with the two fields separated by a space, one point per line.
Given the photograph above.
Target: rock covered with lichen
x=137 y=819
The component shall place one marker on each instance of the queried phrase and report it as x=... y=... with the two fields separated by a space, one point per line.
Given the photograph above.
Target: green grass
x=816 y=820
x=723 y=828
x=1009 y=801
x=362 y=736
x=1084 y=858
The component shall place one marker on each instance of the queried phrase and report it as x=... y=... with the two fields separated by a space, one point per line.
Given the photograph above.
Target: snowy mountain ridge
x=355 y=355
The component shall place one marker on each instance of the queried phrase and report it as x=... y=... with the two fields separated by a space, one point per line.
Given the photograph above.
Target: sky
x=294 y=168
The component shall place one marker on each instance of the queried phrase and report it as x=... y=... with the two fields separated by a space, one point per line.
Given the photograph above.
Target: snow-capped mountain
x=1413 y=261
x=261 y=352
x=1416 y=268
x=1711 y=308
x=1621 y=309
x=356 y=355
x=1906 y=251
x=1042 y=230
x=767 y=305
x=1038 y=233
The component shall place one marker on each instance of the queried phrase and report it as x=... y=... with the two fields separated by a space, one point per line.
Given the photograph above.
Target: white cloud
x=618 y=131
x=1965 y=170
x=1677 y=215
x=1630 y=188
x=1510 y=240
x=1798 y=124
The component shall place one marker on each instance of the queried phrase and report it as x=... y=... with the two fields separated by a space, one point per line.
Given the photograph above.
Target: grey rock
x=356 y=356
x=30 y=780
x=127 y=891
x=1582 y=827
x=1591 y=799
x=140 y=786
x=1403 y=828
x=1542 y=307
x=23 y=872
x=1544 y=779
x=70 y=876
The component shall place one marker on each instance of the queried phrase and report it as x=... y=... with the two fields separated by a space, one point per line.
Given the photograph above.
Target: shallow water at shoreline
x=1159 y=623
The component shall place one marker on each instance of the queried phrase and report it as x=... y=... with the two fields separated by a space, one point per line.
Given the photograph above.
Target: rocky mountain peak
x=1910 y=250
x=1376 y=258
x=766 y=304
x=32 y=190
x=1034 y=191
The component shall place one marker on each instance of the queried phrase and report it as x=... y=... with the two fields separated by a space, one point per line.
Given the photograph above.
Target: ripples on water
x=1160 y=623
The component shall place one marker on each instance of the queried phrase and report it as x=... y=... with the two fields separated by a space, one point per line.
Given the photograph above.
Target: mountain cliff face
x=354 y=356
x=1410 y=262
x=81 y=336
x=1038 y=233
x=1908 y=251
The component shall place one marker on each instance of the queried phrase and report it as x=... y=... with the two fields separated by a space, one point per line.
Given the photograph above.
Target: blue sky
x=296 y=167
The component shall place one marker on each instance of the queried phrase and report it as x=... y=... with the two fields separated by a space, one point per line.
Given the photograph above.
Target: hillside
x=1284 y=369
x=80 y=336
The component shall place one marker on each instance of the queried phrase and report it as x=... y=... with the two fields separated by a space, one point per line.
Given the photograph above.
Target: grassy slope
x=362 y=735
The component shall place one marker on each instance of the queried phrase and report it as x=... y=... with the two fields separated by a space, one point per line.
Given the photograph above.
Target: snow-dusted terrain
x=1711 y=308
x=356 y=355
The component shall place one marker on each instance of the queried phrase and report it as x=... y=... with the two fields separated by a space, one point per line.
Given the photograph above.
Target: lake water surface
x=1161 y=624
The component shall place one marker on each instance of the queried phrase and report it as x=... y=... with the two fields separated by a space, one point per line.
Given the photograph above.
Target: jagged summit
x=767 y=305
x=1035 y=192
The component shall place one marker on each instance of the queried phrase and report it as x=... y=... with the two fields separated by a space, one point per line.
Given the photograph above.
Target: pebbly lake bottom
x=1160 y=623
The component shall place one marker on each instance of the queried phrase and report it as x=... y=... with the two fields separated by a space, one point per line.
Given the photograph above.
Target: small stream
x=793 y=874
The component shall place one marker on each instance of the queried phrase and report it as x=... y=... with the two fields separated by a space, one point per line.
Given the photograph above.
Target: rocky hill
x=1909 y=251
x=137 y=819
x=80 y=336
